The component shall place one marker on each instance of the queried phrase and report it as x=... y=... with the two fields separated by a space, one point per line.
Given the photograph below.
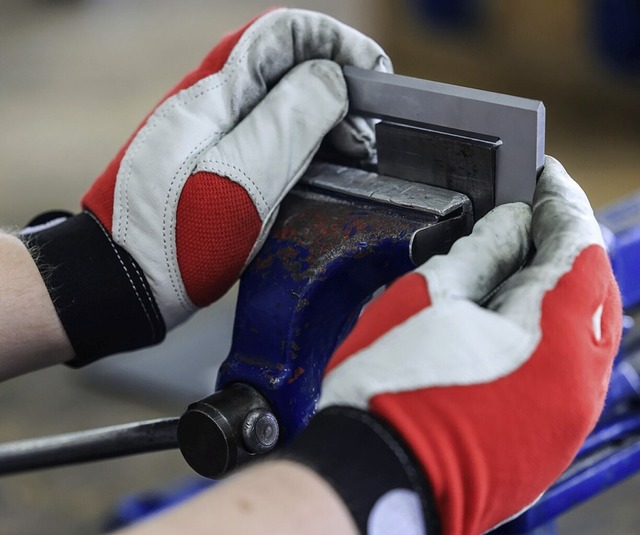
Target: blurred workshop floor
x=75 y=79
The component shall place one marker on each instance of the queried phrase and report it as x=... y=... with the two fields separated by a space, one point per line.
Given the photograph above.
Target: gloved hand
x=478 y=381
x=193 y=193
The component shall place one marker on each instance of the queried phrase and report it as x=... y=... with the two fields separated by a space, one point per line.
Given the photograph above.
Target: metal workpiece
x=220 y=431
x=85 y=446
x=360 y=184
x=340 y=235
x=519 y=123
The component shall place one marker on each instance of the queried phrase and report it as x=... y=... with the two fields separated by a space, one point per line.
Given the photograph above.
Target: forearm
x=31 y=333
x=273 y=497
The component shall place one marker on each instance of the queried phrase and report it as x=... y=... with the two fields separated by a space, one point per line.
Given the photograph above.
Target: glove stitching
x=171 y=252
x=146 y=291
x=248 y=42
x=184 y=97
x=262 y=236
x=231 y=66
x=135 y=290
x=129 y=157
x=240 y=171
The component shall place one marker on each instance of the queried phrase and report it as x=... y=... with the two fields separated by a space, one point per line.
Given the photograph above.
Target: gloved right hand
x=177 y=215
x=468 y=386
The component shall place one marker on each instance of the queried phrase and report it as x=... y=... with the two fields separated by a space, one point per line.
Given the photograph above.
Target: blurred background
x=77 y=76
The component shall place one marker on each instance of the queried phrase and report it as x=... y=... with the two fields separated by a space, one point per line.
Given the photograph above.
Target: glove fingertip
x=330 y=73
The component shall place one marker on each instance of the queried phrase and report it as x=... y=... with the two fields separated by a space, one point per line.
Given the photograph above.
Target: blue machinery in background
x=613 y=26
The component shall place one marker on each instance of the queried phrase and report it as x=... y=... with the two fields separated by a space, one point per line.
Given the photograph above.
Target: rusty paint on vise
x=296 y=374
x=323 y=258
x=312 y=237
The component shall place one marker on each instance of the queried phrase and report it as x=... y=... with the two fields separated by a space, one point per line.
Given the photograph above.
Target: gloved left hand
x=175 y=217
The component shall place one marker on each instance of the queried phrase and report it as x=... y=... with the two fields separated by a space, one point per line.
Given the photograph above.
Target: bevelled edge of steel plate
x=383 y=189
x=518 y=122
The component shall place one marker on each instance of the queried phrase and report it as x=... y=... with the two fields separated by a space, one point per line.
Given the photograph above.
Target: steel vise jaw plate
x=518 y=122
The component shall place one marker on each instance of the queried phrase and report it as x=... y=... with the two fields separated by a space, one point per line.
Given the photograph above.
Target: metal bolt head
x=260 y=431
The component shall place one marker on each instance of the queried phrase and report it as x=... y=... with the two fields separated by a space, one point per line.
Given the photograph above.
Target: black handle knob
x=218 y=432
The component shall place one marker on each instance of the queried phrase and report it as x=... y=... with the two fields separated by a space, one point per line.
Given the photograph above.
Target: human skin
x=272 y=497
x=31 y=334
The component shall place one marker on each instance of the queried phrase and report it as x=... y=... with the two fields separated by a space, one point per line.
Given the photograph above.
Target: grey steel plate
x=518 y=122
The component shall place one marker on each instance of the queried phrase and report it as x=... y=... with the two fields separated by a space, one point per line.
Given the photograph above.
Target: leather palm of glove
x=176 y=216
x=468 y=386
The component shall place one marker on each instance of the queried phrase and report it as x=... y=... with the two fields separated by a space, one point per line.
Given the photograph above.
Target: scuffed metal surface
x=383 y=189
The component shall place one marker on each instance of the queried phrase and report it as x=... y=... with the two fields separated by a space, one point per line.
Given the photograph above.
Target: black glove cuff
x=364 y=460
x=98 y=290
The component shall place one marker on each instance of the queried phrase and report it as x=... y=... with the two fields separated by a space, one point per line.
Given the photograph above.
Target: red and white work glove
x=176 y=216
x=470 y=384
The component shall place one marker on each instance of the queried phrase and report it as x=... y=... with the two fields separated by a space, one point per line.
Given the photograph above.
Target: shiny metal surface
x=91 y=445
